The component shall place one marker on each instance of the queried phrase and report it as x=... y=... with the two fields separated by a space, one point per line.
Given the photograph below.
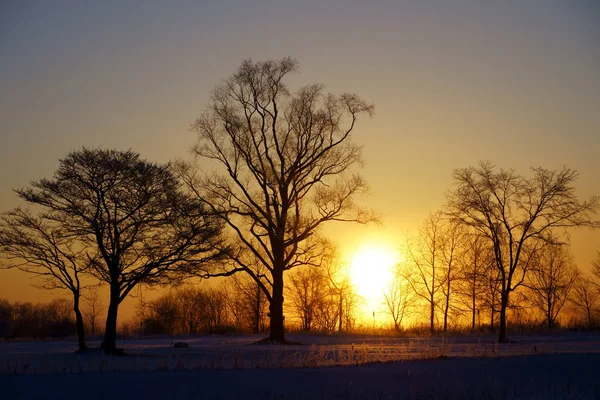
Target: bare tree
x=214 y=307
x=133 y=213
x=398 y=298
x=189 y=309
x=93 y=309
x=550 y=280
x=452 y=250
x=163 y=315
x=515 y=214
x=585 y=296
x=286 y=168
x=424 y=264
x=491 y=295
x=39 y=245
x=327 y=313
x=475 y=280
x=596 y=266
x=343 y=292
x=247 y=303
x=308 y=288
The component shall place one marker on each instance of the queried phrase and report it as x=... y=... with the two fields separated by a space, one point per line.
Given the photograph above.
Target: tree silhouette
x=93 y=309
x=550 y=280
x=38 y=245
x=286 y=164
x=452 y=250
x=424 y=272
x=308 y=289
x=596 y=266
x=398 y=298
x=586 y=298
x=134 y=215
x=474 y=275
x=516 y=215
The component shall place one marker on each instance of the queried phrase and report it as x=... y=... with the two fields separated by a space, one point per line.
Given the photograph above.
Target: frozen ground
x=359 y=367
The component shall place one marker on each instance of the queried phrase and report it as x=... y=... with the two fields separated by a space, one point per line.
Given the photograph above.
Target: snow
x=359 y=367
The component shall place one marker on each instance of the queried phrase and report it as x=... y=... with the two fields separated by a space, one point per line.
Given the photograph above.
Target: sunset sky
x=453 y=82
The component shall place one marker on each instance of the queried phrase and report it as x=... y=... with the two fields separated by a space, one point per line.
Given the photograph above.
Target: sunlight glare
x=371 y=271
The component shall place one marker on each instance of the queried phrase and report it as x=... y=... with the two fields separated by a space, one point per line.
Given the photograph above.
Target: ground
x=323 y=367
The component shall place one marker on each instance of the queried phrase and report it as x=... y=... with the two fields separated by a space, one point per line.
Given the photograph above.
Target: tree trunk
x=549 y=313
x=276 y=332
x=257 y=307
x=502 y=330
x=446 y=309
x=341 y=312
x=473 y=314
x=79 y=323
x=109 y=344
x=473 y=299
x=431 y=315
x=93 y=324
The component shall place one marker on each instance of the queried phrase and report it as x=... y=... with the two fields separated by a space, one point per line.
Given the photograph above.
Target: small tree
x=516 y=215
x=93 y=309
x=307 y=289
x=550 y=281
x=190 y=309
x=398 y=298
x=585 y=296
x=163 y=315
x=286 y=164
x=39 y=245
x=596 y=266
x=344 y=295
x=134 y=215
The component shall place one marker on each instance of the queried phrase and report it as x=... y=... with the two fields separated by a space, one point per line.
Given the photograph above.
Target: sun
x=371 y=271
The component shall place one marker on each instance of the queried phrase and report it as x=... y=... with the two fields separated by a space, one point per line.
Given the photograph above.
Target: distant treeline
x=41 y=320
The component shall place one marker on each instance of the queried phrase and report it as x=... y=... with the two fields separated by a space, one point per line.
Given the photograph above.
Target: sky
x=453 y=82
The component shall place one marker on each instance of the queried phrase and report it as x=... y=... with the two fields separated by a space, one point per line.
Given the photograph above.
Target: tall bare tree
x=38 y=245
x=424 y=264
x=134 y=215
x=515 y=214
x=474 y=283
x=492 y=293
x=452 y=250
x=550 y=280
x=286 y=162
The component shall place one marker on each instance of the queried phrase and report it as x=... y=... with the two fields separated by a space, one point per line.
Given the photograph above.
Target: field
x=358 y=367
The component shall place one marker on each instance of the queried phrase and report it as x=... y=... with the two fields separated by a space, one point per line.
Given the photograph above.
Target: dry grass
x=160 y=356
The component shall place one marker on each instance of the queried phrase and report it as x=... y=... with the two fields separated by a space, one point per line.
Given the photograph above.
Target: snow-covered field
x=360 y=367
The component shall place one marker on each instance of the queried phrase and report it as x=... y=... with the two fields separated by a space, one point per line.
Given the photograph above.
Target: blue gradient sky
x=454 y=82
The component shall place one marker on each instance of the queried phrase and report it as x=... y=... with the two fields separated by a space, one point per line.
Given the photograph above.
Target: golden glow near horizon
x=371 y=272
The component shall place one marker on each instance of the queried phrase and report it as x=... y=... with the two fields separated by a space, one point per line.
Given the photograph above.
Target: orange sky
x=515 y=83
